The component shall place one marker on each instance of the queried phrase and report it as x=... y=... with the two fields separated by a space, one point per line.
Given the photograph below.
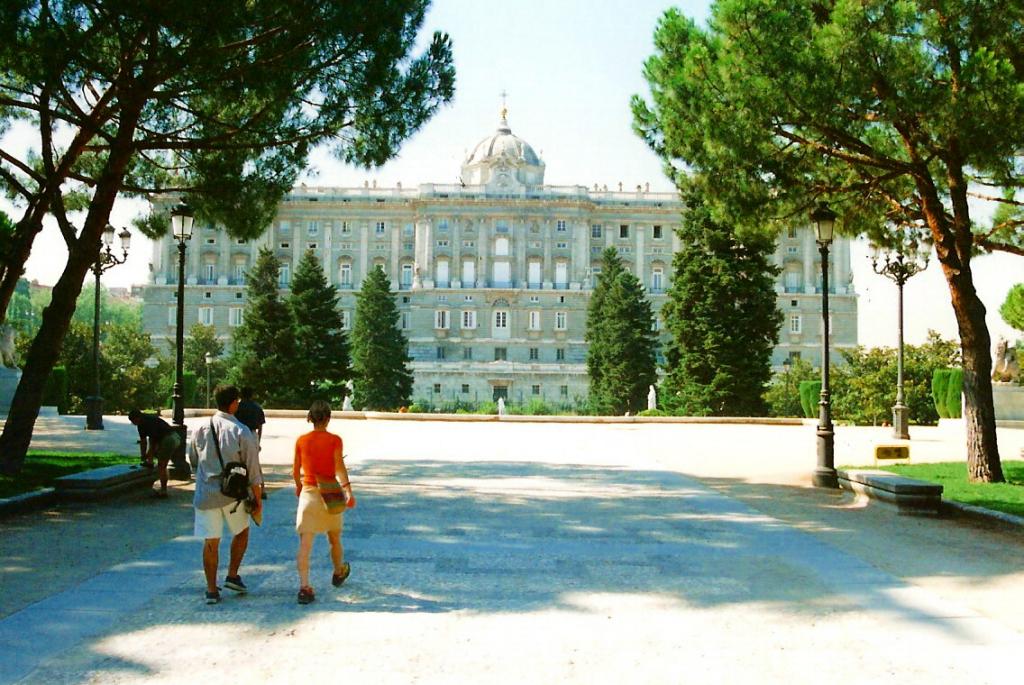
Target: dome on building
x=502 y=156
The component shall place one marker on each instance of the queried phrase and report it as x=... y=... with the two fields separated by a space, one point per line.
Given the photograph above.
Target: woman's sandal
x=306 y=595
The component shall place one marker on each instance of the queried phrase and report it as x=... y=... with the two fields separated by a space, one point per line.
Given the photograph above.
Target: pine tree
x=322 y=363
x=382 y=378
x=264 y=352
x=621 y=342
x=722 y=319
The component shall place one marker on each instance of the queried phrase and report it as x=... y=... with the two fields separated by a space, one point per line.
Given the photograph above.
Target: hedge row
x=810 y=398
x=947 y=387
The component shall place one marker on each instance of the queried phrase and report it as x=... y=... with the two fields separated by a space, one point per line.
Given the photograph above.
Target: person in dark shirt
x=250 y=413
x=157 y=442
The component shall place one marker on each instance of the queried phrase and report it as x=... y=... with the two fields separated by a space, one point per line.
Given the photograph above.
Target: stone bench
x=104 y=482
x=911 y=496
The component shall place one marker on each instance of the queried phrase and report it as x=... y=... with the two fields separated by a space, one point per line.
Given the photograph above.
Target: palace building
x=492 y=276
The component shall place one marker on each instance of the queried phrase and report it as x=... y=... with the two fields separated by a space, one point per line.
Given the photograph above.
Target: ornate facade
x=492 y=275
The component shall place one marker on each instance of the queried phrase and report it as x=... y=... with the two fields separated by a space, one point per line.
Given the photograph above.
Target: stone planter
x=1008 y=401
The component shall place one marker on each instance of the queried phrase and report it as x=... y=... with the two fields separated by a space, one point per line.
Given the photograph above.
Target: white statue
x=347 y=404
x=1006 y=368
x=8 y=353
x=501 y=406
x=652 y=398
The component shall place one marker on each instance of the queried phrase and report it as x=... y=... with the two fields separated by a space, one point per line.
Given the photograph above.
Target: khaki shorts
x=210 y=522
x=166 y=448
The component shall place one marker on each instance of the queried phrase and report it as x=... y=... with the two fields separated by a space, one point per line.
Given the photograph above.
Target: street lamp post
x=825 y=476
x=105 y=260
x=899 y=268
x=209 y=360
x=182 y=218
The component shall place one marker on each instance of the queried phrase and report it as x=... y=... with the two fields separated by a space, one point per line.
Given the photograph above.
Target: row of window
x=500 y=354
x=501 y=274
x=535 y=390
x=442 y=320
x=380 y=228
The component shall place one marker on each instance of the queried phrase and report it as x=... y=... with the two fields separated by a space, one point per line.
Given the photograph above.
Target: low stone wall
x=517 y=418
x=1008 y=401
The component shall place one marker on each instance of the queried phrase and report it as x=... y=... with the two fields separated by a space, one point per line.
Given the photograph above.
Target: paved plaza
x=642 y=553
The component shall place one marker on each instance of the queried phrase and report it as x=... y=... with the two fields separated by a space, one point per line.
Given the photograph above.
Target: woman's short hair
x=319 y=412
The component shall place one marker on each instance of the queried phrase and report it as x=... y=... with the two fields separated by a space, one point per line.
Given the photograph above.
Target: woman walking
x=318 y=470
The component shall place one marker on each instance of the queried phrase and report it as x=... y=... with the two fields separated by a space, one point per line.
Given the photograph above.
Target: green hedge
x=940 y=384
x=810 y=397
x=56 y=392
x=954 y=389
x=190 y=388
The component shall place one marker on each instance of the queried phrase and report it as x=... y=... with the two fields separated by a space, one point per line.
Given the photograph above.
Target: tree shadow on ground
x=519 y=537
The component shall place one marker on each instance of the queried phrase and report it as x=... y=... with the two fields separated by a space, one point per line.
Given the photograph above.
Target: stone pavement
x=559 y=553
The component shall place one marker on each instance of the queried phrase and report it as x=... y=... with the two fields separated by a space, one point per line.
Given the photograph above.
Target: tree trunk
x=45 y=348
x=953 y=245
x=983 y=463
x=42 y=355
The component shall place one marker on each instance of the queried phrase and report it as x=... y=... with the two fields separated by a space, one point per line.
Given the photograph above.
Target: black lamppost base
x=825 y=478
x=94 y=413
x=179 y=468
x=901 y=422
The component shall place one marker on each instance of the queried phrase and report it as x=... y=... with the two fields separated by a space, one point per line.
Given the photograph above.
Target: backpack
x=234 y=476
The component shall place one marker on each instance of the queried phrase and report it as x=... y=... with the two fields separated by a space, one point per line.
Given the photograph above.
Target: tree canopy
x=720 y=285
x=621 y=342
x=322 y=354
x=896 y=114
x=216 y=103
x=382 y=378
x=263 y=353
x=1012 y=309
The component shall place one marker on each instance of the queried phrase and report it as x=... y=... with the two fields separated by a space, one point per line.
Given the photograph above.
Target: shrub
x=810 y=394
x=940 y=384
x=953 y=391
x=655 y=412
x=487 y=408
x=418 y=408
x=538 y=407
x=56 y=392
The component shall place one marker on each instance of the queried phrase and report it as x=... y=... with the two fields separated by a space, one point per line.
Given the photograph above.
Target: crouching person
x=221 y=440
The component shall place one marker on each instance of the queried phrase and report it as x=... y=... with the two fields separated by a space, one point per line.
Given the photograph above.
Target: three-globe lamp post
x=899 y=268
x=105 y=259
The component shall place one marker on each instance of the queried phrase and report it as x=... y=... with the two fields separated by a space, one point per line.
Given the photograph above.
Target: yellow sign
x=889 y=452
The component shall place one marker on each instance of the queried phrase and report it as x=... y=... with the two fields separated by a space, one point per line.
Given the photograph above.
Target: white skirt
x=312 y=516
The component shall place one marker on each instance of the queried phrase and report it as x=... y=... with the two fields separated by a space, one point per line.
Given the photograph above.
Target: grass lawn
x=1006 y=497
x=41 y=468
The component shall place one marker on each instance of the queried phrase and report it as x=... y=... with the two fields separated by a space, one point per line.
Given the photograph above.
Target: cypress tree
x=380 y=360
x=264 y=352
x=322 y=363
x=722 y=319
x=621 y=342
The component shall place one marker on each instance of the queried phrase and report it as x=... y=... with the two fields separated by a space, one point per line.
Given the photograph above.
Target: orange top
x=314 y=452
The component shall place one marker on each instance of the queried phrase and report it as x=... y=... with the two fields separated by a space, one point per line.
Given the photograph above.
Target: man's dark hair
x=134 y=415
x=225 y=395
x=246 y=392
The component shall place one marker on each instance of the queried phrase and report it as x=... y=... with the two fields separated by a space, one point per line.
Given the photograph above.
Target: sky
x=569 y=68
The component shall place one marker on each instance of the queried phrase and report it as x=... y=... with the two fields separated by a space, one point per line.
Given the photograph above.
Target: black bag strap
x=216 y=443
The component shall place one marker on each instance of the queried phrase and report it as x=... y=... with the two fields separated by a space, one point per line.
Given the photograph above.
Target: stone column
x=547 y=270
x=483 y=250
x=364 y=248
x=396 y=245
x=327 y=254
x=809 y=250
x=640 y=258
x=455 y=265
x=224 y=246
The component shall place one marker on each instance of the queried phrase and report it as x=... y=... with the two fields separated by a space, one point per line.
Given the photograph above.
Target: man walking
x=214 y=510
